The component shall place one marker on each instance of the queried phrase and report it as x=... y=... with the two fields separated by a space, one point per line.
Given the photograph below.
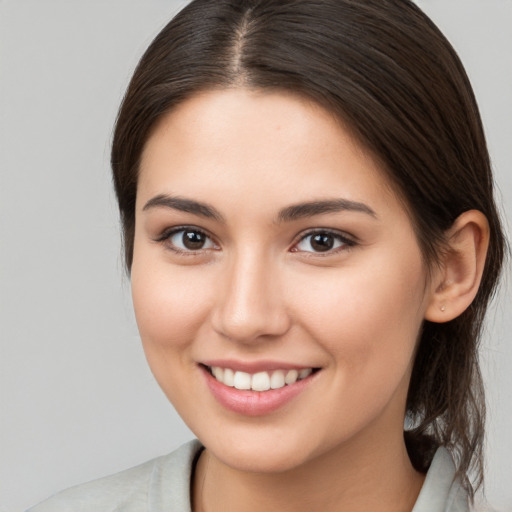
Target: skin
x=257 y=290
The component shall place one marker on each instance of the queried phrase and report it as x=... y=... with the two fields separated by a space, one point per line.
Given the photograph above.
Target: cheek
x=170 y=307
x=170 y=304
x=367 y=319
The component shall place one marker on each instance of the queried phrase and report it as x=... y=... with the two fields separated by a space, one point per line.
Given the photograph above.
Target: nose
x=250 y=305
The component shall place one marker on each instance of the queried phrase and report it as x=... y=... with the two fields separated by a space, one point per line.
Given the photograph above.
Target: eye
x=322 y=242
x=188 y=240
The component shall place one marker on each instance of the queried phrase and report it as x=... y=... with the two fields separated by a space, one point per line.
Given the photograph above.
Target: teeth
x=291 y=377
x=229 y=377
x=277 y=379
x=218 y=373
x=305 y=373
x=242 y=380
x=261 y=381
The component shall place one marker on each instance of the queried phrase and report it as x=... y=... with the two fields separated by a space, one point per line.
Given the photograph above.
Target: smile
x=256 y=389
x=260 y=381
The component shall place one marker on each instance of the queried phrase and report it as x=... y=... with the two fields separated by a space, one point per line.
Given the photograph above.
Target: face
x=271 y=254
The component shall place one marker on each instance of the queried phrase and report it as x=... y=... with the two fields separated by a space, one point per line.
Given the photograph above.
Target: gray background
x=76 y=398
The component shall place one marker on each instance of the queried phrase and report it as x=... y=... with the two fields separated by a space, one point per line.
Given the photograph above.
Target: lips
x=250 y=390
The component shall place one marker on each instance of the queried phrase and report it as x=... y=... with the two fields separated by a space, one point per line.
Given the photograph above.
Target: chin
x=254 y=459
x=262 y=449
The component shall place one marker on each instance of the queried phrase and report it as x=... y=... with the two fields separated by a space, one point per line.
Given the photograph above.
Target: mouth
x=260 y=381
x=253 y=390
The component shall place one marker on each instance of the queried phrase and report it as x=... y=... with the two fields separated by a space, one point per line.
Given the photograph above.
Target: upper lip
x=254 y=366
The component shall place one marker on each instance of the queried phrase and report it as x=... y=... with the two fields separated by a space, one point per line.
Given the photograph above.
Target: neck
x=360 y=477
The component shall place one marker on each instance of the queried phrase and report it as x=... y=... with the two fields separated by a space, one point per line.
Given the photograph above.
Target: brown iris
x=322 y=242
x=193 y=240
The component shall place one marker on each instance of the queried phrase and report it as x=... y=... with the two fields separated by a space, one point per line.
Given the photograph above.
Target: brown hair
x=386 y=70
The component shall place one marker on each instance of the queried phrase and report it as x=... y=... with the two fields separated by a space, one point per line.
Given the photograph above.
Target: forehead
x=243 y=141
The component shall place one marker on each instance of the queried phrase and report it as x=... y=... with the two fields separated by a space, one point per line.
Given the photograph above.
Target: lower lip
x=254 y=403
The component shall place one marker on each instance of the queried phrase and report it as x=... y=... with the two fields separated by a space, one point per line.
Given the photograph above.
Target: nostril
x=250 y=326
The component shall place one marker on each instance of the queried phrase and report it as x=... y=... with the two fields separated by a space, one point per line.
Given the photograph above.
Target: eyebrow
x=313 y=208
x=288 y=214
x=184 y=205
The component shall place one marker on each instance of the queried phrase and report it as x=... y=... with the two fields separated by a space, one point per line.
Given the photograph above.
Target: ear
x=456 y=282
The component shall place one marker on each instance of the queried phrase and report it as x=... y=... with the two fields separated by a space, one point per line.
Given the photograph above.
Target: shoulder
x=442 y=491
x=157 y=483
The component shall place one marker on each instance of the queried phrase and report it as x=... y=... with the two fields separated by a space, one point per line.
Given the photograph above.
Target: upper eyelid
x=166 y=233
x=335 y=232
x=348 y=241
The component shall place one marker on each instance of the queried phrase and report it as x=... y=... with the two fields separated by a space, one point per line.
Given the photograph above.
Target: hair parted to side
x=389 y=74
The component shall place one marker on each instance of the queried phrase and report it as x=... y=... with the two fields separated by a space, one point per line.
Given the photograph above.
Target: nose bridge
x=252 y=303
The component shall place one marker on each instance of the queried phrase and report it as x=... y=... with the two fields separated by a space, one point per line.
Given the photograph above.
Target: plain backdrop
x=77 y=400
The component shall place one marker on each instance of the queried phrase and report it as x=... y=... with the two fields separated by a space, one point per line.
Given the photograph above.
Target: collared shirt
x=163 y=485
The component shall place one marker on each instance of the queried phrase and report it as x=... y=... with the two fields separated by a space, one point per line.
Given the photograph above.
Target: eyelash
x=346 y=242
x=168 y=234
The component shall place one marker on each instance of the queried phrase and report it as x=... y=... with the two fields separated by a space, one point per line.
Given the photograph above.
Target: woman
x=309 y=224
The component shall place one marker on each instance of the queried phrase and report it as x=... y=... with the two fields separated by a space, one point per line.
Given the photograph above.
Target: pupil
x=193 y=240
x=322 y=243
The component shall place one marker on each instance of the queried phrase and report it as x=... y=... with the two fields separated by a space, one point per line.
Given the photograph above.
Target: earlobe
x=456 y=283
